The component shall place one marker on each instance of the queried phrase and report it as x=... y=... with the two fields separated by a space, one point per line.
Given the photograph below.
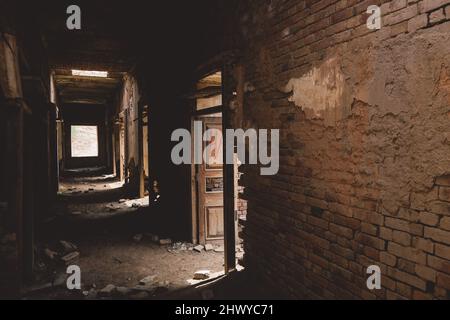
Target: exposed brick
x=423 y=244
x=346 y=222
x=394 y=296
x=443 y=280
x=369 y=228
x=388 y=283
x=429 y=5
x=408 y=253
x=397 y=224
x=407 y=278
x=404 y=290
x=447 y=14
x=444 y=192
x=385 y=233
x=429 y=219
x=401 y=237
x=340 y=230
x=439 y=207
x=420 y=295
x=345 y=196
x=425 y=273
x=403 y=225
x=439 y=264
x=445 y=223
x=388 y=259
x=371 y=241
x=405 y=265
x=444 y=180
x=418 y=22
x=397 y=4
x=442 y=250
x=400 y=16
x=437 y=235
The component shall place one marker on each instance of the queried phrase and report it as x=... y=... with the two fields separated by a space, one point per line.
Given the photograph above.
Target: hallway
x=225 y=149
x=114 y=246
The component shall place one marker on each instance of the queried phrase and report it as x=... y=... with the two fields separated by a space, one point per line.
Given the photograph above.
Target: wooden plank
x=228 y=177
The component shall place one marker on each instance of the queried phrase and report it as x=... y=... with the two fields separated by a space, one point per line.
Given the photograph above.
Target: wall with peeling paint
x=364 y=147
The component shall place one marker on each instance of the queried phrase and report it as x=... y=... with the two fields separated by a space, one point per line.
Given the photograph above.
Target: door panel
x=214 y=222
x=210 y=184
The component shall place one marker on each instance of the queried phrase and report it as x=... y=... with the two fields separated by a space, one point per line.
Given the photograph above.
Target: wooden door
x=210 y=183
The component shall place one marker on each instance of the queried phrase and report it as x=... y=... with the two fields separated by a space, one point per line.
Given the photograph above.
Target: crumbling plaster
x=387 y=105
x=364 y=124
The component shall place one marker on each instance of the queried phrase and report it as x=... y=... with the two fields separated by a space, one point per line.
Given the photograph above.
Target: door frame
x=199 y=218
x=224 y=64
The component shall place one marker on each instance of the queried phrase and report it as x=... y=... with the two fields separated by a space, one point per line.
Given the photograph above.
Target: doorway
x=209 y=181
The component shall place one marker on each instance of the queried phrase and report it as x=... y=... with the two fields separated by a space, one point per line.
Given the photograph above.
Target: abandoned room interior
x=92 y=96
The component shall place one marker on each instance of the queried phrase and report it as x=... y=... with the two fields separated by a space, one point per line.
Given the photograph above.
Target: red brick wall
x=364 y=119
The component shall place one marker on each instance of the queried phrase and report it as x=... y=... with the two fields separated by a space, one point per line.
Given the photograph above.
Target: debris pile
x=202 y=274
x=146 y=288
x=64 y=252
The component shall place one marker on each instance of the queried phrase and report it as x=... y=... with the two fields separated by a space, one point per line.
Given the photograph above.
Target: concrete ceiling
x=86 y=51
x=101 y=45
x=86 y=90
x=113 y=34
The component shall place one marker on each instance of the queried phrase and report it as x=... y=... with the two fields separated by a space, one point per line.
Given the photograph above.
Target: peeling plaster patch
x=322 y=93
x=286 y=32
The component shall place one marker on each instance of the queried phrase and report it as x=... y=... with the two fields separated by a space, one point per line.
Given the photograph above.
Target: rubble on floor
x=146 y=288
x=165 y=241
x=70 y=258
x=147 y=280
x=201 y=274
x=198 y=248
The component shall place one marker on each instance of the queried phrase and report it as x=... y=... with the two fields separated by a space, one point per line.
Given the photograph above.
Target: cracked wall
x=364 y=152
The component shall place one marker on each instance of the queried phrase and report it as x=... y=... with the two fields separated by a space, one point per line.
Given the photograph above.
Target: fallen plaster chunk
x=69 y=258
x=219 y=249
x=165 y=241
x=107 y=291
x=147 y=280
x=202 y=274
x=122 y=201
x=208 y=247
x=67 y=246
x=198 y=248
x=138 y=237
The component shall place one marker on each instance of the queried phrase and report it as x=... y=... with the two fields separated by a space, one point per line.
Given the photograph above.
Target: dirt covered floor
x=107 y=236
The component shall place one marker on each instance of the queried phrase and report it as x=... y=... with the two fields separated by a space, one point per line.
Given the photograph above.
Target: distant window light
x=90 y=73
x=84 y=141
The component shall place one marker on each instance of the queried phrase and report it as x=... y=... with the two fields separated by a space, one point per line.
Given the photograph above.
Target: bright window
x=84 y=141
x=90 y=73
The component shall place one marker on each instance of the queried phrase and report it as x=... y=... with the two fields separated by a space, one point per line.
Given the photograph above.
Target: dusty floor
x=112 y=237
